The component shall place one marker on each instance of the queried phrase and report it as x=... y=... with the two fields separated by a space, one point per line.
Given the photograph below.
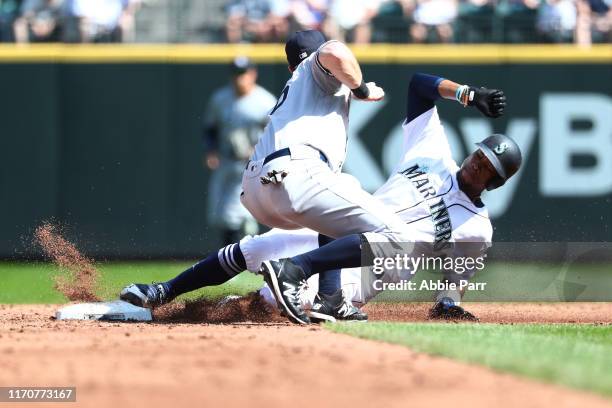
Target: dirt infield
x=502 y=312
x=259 y=364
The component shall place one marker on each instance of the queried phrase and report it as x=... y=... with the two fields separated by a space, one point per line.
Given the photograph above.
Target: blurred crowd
x=419 y=21
x=356 y=21
x=94 y=21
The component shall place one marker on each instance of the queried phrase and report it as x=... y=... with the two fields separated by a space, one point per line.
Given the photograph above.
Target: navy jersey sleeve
x=422 y=94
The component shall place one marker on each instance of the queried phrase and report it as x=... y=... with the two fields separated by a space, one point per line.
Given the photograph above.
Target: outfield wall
x=106 y=139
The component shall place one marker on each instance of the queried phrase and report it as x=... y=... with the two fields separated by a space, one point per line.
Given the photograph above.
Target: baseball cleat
x=288 y=282
x=143 y=295
x=331 y=308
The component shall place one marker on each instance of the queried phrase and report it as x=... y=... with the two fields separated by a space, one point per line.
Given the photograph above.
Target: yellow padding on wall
x=274 y=53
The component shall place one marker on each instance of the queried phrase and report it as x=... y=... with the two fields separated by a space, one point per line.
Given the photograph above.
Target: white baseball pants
x=313 y=196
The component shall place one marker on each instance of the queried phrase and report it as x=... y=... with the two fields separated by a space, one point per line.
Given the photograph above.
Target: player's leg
x=346 y=252
x=325 y=306
x=322 y=292
x=329 y=281
x=277 y=244
x=222 y=265
x=334 y=208
x=215 y=269
x=332 y=304
x=287 y=277
x=312 y=196
x=343 y=304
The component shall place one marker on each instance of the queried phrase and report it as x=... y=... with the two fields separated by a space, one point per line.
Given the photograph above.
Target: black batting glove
x=491 y=102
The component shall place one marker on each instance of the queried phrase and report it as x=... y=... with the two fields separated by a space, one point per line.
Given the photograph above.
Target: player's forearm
x=433 y=87
x=339 y=60
x=448 y=89
x=454 y=91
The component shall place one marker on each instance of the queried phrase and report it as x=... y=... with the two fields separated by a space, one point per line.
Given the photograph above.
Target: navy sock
x=344 y=252
x=215 y=269
x=329 y=282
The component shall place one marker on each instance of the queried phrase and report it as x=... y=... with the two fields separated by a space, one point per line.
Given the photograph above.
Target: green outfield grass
x=578 y=356
x=32 y=282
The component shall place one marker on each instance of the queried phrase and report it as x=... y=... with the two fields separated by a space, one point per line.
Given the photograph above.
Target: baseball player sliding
x=438 y=200
x=435 y=201
x=293 y=179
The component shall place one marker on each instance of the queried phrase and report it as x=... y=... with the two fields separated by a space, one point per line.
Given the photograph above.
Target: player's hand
x=491 y=102
x=376 y=93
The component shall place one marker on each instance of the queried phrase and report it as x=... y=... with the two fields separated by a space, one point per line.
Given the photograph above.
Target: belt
x=287 y=152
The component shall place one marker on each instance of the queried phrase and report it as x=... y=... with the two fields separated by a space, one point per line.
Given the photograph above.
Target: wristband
x=461 y=94
x=362 y=91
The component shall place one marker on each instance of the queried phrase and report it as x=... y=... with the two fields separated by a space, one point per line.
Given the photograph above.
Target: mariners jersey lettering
x=423 y=190
x=312 y=110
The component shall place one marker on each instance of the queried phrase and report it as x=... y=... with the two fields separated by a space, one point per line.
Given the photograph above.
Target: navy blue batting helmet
x=505 y=156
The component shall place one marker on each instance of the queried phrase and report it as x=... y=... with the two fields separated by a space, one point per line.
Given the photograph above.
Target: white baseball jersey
x=423 y=189
x=312 y=110
x=424 y=192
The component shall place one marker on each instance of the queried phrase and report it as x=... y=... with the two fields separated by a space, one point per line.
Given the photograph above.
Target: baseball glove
x=491 y=102
x=441 y=311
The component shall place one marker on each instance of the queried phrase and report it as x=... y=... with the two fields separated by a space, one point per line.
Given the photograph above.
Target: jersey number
x=281 y=99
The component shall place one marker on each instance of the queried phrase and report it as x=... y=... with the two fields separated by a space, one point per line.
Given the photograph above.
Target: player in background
x=425 y=145
x=233 y=120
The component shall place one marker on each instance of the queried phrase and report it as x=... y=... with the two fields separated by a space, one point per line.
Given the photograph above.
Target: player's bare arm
x=338 y=59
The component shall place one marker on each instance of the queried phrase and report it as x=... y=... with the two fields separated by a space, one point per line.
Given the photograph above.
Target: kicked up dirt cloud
x=80 y=278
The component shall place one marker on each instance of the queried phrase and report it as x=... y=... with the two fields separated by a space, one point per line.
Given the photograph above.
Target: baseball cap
x=301 y=44
x=240 y=65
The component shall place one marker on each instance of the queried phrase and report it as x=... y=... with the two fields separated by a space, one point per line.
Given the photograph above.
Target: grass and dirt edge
x=573 y=355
